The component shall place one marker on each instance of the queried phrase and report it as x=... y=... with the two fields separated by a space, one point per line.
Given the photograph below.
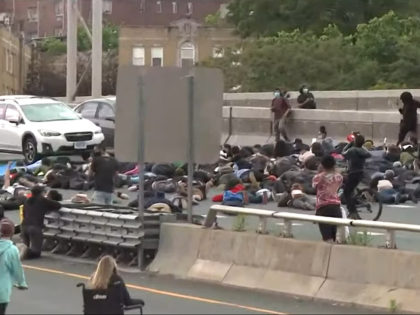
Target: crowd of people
x=320 y=177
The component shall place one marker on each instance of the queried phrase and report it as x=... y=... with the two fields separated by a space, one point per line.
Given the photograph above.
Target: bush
x=380 y=54
x=53 y=46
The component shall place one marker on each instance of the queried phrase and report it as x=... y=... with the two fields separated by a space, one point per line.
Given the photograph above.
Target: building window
x=32 y=14
x=157 y=56
x=174 y=7
x=158 y=6
x=142 y=5
x=59 y=7
x=107 y=6
x=189 y=8
x=9 y=61
x=138 y=56
x=218 y=52
x=187 y=55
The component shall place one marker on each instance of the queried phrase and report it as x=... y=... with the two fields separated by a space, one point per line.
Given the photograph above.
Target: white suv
x=37 y=126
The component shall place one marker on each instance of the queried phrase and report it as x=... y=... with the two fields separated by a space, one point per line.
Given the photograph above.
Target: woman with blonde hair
x=106 y=276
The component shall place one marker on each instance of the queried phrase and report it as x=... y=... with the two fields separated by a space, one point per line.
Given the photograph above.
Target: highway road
x=52 y=290
x=405 y=213
x=52 y=279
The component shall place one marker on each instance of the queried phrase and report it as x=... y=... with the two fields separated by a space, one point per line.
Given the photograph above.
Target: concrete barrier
x=251 y=125
x=365 y=100
x=373 y=277
x=178 y=249
x=348 y=274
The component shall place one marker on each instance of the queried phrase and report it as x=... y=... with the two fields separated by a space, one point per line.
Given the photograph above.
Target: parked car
x=101 y=112
x=38 y=126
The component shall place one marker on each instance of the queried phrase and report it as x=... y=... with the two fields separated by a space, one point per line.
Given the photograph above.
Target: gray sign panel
x=165 y=94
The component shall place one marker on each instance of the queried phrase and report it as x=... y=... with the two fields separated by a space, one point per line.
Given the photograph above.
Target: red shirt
x=279 y=107
x=237 y=188
x=327 y=185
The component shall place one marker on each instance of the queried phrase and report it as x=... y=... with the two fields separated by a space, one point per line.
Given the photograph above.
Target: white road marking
x=371 y=233
x=217 y=216
x=293 y=224
x=402 y=206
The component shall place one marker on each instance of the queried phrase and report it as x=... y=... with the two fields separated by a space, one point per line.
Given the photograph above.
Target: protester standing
x=34 y=211
x=356 y=156
x=328 y=203
x=11 y=271
x=408 y=122
x=103 y=169
x=281 y=108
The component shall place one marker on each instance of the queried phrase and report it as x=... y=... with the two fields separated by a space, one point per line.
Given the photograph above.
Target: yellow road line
x=167 y=293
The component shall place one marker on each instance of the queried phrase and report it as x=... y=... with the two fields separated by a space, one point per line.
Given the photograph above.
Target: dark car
x=101 y=112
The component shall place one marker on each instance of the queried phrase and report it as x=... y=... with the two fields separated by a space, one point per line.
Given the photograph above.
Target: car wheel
x=30 y=152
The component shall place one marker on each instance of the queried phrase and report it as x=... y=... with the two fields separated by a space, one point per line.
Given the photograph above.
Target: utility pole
x=97 y=48
x=71 y=49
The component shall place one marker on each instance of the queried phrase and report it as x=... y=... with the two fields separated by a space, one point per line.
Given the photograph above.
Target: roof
x=28 y=99
x=109 y=99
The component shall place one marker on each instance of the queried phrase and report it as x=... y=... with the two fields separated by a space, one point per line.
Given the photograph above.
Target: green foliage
x=267 y=17
x=213 y=19
x=393 y=306
x=382 y=53
x=239 y=224
x=83 y=40
x=53 y=46
x=56 y=46
x=359 y=239
x=110 y=35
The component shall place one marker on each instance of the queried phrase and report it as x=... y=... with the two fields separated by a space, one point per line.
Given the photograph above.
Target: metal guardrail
x=288 y=218
x=79 y=230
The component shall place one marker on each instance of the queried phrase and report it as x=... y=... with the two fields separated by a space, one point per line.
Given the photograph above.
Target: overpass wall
x=376 y=100
x=251 y=125
x=349 y=274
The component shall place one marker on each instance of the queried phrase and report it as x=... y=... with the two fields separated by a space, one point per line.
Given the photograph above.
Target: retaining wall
x=380 y=100
x=365 y=276
x=251 y=125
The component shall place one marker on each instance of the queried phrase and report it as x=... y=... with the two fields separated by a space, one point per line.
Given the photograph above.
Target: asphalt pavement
x=52 y=290
x=52 y=279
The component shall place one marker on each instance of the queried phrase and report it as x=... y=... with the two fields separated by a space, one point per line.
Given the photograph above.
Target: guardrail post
x=262 y=227
x=210 y=218
x=390 y=239
x=341 y=234
x=287 y=229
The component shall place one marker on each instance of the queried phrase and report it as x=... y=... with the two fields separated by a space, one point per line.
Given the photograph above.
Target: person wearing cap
x=34 y=211
x=11 y=271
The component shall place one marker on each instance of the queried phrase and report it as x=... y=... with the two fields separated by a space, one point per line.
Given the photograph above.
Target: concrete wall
x=349 y=274
x=377 y=100
x=251 y=125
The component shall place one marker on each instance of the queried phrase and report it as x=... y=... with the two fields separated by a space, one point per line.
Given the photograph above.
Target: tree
x=382 y=53
x=268 y=17
x=56 y=46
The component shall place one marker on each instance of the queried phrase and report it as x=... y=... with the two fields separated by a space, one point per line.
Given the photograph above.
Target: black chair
x=107 y=301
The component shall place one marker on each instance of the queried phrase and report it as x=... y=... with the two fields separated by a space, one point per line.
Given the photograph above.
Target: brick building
x=42 y=18
x=183 y=43
x=14 y=59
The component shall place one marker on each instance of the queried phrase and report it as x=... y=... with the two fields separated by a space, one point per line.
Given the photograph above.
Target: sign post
x=190 y=146
x=141 y=162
